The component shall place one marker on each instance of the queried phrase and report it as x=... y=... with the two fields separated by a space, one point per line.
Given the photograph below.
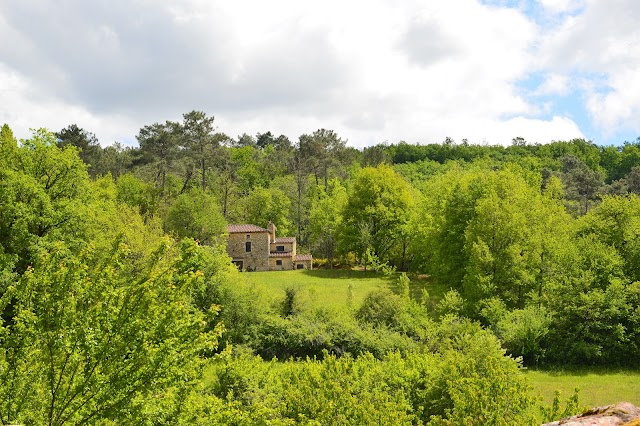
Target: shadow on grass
x=578 y=371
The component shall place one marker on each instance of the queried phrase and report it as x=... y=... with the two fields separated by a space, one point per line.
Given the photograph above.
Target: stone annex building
x=253 y=248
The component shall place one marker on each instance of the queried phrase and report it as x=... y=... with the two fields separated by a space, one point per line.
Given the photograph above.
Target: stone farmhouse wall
x=253 y=248
x=287 y=264
x=255 y=260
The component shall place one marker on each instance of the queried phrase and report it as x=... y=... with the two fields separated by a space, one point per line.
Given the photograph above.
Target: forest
x=119 y=304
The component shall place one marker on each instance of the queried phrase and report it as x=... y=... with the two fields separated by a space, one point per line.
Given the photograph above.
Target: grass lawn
x=324 y=287
x=597 y=386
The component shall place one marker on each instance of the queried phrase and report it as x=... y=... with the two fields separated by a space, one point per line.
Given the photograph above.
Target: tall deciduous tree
x=269 y=204
x=94 y=338
x=326 y=219
x=43 y=195
x=376 y=213
x=195 y=214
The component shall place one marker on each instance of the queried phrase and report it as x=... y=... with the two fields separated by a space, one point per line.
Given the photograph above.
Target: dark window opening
x=300 y=266
x=247 y=246
x=279 y=248
x=279 y=262
x=248 y=236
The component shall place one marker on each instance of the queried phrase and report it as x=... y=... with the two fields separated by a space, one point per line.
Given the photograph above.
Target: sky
x=374 y=71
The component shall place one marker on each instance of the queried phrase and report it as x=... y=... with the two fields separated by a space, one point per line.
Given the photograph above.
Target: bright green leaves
x=43 y=195
x=195 y=214
x=491 y=234
x=92 y=337
x=326 y=218
x=376 y=214
x=269 y=204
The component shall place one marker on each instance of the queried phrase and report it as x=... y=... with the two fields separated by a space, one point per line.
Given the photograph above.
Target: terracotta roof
x=285 y=240
x=244 y=229
x=280 y=254
x=302 y=257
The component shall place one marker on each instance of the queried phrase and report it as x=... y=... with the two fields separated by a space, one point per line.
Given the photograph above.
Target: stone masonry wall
x=258 y=258
x=287 y=264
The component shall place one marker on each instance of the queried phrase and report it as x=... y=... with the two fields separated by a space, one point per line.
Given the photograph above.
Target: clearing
x=324 y=287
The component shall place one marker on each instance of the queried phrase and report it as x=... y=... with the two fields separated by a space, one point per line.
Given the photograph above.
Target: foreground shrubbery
x=471 y=382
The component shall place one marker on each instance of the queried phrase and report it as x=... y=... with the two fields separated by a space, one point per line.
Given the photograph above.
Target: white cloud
x=601 y=46
x=554 y=84
x=561 y=6
x=371 y=70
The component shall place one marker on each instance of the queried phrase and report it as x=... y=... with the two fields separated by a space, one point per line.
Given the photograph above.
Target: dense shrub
x=473 y=384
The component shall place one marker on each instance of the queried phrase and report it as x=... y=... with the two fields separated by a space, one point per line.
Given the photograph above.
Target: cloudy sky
x=373 y=71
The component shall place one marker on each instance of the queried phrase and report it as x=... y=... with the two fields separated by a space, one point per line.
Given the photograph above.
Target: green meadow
x=596 y=386
x=323 y=287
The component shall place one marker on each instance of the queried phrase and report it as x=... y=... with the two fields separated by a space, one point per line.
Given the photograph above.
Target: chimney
x=272 y=231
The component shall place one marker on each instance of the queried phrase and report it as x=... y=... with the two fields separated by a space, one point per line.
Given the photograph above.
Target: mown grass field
x=597 y=386
x=323 y=287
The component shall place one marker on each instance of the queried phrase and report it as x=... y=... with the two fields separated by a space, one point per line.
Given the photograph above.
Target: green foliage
x=93 y=338
x=291 y=303
x=556 y=411
x=195 y=214
x=269 y=204
x=381 y=307
x=326 y=218
x=522 y=332
x=379 y=206
x=472 y=383
x=451 y=304
x=403 y=285
x=43 y=196
x=136 y=193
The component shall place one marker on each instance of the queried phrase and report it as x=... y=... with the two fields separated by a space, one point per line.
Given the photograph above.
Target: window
x=279 y=262
x=279 y=248
x=248 y=236
x=247 y=246
x=300 y=266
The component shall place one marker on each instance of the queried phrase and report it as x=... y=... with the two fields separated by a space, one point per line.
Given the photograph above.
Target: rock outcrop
x=622 y=414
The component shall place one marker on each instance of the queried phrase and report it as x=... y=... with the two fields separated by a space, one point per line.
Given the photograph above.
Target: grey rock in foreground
x=623 y=414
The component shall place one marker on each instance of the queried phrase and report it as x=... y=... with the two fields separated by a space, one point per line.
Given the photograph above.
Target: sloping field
x=597 y=386
x=331 y=287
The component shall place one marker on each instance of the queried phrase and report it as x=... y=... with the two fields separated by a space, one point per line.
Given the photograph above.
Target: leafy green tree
x=582 y=183
x=491 y=234
x=616 y=223
x=195 y=214
x=269 y=204
x=136 y=193
x=44 y=194
x=95 y=338
x=8 y=145
x=523 y=332
x=379 y=205
x=326 y=218
x=509 y=239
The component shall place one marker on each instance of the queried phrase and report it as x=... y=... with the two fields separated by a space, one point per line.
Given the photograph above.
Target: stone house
x=253 y=248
